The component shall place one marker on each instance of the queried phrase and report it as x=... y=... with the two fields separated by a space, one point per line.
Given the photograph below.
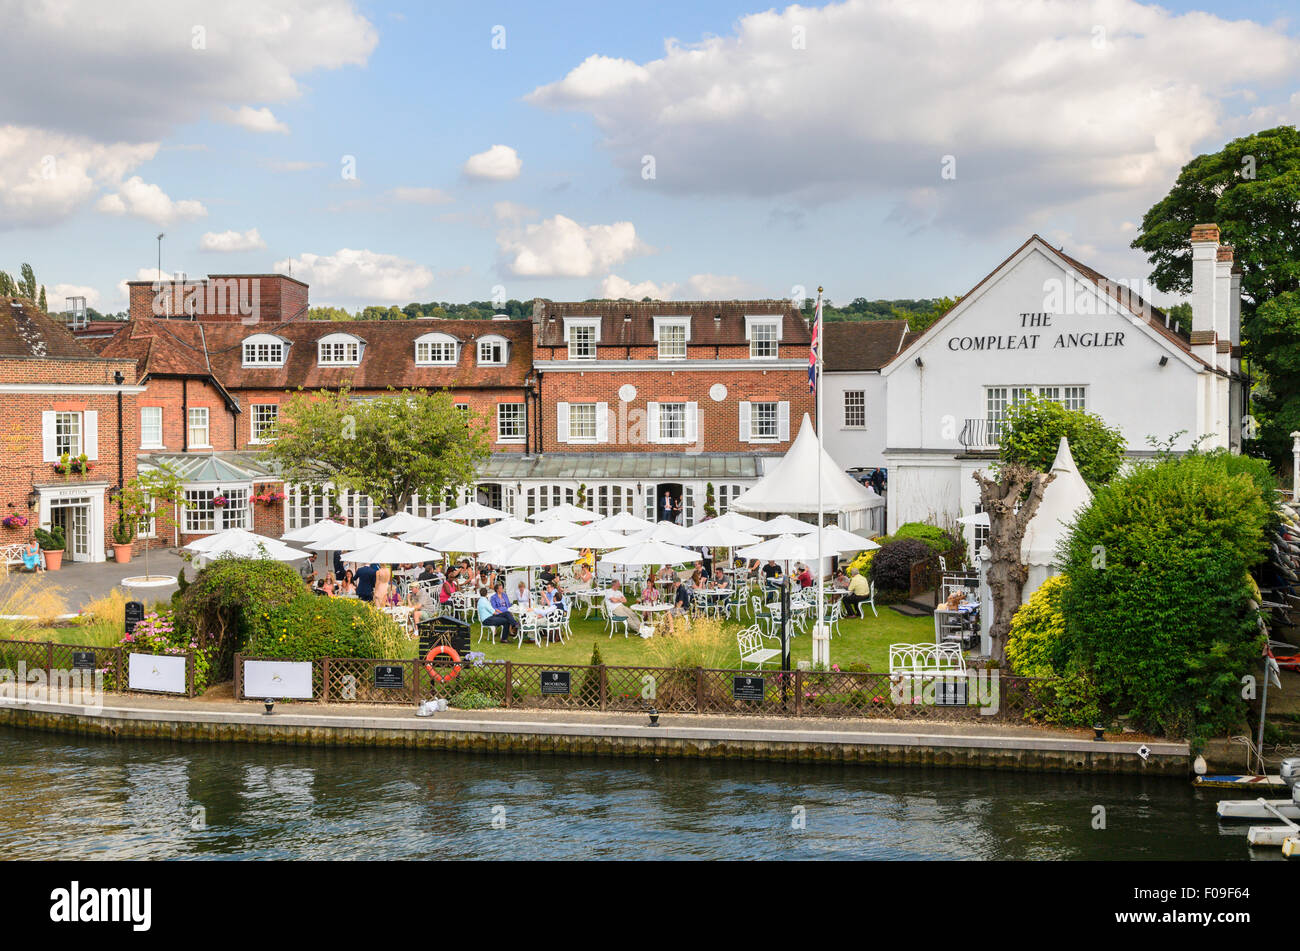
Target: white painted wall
x=854 y=447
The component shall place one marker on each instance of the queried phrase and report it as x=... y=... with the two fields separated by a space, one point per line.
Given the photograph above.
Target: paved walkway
x=80 y=583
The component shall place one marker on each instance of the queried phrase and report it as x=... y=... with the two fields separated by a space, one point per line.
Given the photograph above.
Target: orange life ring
x=441 y=649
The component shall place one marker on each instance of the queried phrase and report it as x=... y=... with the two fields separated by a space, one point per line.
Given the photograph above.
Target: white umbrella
x=593 y=537
x=315 y=532
x=669 y=532
x=469 y=539
x=509 y=527
x=435 y=535
x=712 y=534
x=624 y=522
x=472 y=512
x=785 y=548
x=568 y=512
x=529 y=553
x=244 y=544
x=399 y=523
x=391 y=551
x=345 y=540
x=551 y=528
x=836 y=541
x=979 y=518
x=736 y=520
x=650 y=552
x=785 y=525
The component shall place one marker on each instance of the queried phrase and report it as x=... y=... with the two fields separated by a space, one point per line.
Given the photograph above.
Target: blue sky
x=790 y=146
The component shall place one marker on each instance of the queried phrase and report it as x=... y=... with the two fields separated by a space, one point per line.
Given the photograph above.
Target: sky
x=395 y=152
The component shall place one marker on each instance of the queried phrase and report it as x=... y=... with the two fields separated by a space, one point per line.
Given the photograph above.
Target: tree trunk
x=1006 y=575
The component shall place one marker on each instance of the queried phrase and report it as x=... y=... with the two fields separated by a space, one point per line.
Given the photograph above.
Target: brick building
x=62 y=401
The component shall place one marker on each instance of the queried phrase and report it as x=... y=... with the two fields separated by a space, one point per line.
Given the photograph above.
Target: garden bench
x=750 y=641
x=11 y=555
x=928 y=659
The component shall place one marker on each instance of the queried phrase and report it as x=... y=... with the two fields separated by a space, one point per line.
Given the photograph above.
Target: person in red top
x=448 y=589
x=805 y=577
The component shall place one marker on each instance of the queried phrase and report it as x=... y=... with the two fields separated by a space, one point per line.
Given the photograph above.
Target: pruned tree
x=1011 y=501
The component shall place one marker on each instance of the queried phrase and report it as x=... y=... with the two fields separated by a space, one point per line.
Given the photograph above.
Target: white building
x=1044 y=323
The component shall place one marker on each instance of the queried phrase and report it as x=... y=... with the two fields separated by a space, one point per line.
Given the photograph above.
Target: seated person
x=427 y=572
x=805 y=577
x=523 y=598
x=348 y=585
x=841 y=579
x=494 y=611
x=554 y=599
x=859 y=591
x=583 y=576
x=649 y=594
x=327 y=585
x=33 y=558
x=447 y=591
x=666 y=573
x=719 y=577
x=682 y=600
x=771 y=573
x=547 y=574
x=616 y=605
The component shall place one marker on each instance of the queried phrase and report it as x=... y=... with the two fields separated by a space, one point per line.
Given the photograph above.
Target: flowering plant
x=68 y=464
x=219 y=500
x=269 y=496
x=15 y=521
x=156 y=633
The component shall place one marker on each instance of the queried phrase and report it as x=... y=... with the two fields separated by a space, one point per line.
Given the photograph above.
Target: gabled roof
x=165 y=348
x=1147 y=313
x=862 y=344
x=26 y=332
x=631 y=323
x=791 y=485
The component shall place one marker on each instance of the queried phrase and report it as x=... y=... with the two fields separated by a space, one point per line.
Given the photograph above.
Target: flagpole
x=821 y=613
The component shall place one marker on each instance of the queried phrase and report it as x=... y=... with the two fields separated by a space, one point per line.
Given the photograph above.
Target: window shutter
x=561 y=422
x=90 y=439
x=602 y=422
x=652 y=422
x=783 y=421
x=47 y=437
x=692 y=423
x=744 y=422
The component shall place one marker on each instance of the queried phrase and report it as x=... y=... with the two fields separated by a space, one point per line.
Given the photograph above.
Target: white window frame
x=259 y=346
x=766 y=321
x=754 y=430
x=145 y=442
x=353 y=348
x=588 y=326
x=583 y=414
x=859 y=406
x=673 y=436
x=255 y=434
x=73 y=440
x=492 y=341
x=441 y=341
x=520 y=420
x=190 y=427
x=198 y=502
x=661 y=338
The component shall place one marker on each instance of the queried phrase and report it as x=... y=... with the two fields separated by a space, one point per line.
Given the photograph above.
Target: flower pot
x=121 y=553
x=53 y=559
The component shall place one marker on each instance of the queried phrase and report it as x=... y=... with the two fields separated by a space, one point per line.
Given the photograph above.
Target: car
x=864 y=473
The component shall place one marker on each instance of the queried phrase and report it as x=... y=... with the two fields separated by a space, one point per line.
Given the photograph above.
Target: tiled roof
x=388 y=358
x=862 y=344
x=631 y=323
x=26 y=332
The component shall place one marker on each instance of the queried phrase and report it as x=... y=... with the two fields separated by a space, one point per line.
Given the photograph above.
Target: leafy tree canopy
x=1032 y=435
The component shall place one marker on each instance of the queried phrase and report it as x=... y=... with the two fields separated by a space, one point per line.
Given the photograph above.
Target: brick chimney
x=1205 y=252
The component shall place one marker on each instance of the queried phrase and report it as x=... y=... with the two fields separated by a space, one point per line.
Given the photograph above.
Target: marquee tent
x=1063 y=499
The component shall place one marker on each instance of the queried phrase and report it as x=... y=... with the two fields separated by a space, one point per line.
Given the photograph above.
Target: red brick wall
x=275 y=298
x=175 y=396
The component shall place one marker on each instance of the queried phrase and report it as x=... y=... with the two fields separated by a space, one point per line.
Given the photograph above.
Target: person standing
x=366 y=581
x=668 y=506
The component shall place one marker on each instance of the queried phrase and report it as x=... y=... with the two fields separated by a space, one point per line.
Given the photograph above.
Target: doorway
x=670 y=493
x=73 y=516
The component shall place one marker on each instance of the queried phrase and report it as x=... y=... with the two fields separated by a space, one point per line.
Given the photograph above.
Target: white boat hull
x=1252 y=809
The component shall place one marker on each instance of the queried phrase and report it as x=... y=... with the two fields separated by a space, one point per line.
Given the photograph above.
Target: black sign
x=555 y=682
x=134 y=615
x=747 y=688
x=950 y=692
x=445 y=631
x=83 y=660
x=389 y=678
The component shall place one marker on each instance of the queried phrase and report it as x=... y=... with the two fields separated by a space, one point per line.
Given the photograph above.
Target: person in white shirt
x=616 y=605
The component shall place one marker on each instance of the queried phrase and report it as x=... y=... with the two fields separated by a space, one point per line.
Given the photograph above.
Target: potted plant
x=52 y=543
x=68 y=465
x=123 y=535
x=15 y=520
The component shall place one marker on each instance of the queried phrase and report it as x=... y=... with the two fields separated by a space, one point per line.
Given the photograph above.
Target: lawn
x=859 y=641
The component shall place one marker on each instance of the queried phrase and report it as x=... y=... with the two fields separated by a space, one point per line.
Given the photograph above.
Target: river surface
x=90 y=798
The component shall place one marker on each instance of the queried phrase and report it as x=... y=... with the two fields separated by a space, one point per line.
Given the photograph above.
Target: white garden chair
x=752 y=650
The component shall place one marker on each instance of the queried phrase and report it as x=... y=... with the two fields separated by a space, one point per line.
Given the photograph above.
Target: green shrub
x=473 y=700
x=1156 y=605
x=311 y=627
x=219 y=605
x=891 y=568
x=1039 y=646
x=1032 y=435
x=157 y=633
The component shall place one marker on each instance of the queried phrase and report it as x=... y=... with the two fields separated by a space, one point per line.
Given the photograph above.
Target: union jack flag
x=816 y=342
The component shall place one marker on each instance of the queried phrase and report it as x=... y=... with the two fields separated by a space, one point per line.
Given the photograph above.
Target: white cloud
x=498 y=164
x=616 y=288
x=248 y=240
x=560 y=247
x=512 y=211
x=420 y=196
x=57 y=293
x=358 y=276
x=139 y=199
x=721 y=287
x=254 y=120
x=102 y=119
x=1037 y=115
x=293 y=166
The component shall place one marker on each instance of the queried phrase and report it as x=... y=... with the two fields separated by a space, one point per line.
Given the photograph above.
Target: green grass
x=859 y=641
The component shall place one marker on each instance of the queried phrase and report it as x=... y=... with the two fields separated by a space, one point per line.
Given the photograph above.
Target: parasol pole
x=817 y=629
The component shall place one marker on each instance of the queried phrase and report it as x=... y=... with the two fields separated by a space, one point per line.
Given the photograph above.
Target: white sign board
x=277 y=679
x=164 y=673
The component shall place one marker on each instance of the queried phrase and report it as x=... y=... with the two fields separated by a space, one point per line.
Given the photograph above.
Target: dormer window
x=264 y=350
x=339 y=350
x=493 y=351
x=436 y=349
x=672 y=334
x=582 y=334
x=764 y=336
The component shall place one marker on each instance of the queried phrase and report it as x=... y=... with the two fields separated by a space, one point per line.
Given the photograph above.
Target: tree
x=41 y=302
x=7 y=286
x=390 y=448
x=328 y=313
x=156 y=493
x=1010 y=502
x=27 y=284
x=1251 y=189
x=1032 y=435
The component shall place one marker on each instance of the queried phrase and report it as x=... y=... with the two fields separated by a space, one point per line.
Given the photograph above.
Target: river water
x=87 y=798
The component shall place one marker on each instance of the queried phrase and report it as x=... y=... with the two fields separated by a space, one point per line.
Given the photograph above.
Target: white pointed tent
x=791 y=486
x=1063 y=499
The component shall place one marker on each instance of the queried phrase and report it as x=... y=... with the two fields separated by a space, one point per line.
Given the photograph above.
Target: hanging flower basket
x=14 y=521
x=73 y=466
x=219 y=501
x=269 y=497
